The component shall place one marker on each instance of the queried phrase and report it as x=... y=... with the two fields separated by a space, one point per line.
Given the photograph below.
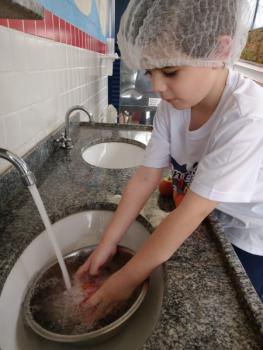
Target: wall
x=46 y=67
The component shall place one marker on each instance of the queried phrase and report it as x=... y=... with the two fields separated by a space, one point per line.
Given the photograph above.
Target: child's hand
x=111 y=295
x=99 y=257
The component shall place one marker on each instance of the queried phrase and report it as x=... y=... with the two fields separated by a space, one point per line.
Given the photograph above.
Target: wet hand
x=110 y=296
x=103 y=253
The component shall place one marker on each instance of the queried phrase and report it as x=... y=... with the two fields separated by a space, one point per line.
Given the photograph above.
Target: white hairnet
x=163 y=33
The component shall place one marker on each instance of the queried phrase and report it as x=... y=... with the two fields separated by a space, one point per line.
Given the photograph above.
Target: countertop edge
x=245 y=290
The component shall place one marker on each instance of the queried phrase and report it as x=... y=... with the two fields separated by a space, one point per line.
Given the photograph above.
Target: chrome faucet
x=65 y=140
x=27 y=176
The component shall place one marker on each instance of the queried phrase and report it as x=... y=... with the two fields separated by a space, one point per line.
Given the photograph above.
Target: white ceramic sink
x=137 y=135
x=72 y=233
x=114 y=155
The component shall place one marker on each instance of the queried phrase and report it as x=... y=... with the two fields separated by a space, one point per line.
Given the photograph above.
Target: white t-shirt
x=222 y=160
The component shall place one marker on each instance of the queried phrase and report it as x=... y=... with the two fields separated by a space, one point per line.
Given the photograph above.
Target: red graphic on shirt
x=182 y=177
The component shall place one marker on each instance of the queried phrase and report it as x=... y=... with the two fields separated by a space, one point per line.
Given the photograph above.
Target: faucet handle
x=68 y=143
x=64 y=142
x=61 y=140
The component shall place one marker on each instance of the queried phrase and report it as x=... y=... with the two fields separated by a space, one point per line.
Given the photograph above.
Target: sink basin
x=72 y=233
x=138 y=135
x=114 y=155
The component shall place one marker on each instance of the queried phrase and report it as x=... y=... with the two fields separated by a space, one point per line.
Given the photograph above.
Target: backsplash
x=45 y=67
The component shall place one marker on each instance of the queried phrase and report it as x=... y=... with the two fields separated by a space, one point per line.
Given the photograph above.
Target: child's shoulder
x=247 y=97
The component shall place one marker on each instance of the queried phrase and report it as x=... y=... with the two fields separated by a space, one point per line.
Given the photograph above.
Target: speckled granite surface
x=209 y=302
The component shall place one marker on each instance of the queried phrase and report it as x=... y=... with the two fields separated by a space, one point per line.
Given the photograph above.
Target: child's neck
x=204 y=110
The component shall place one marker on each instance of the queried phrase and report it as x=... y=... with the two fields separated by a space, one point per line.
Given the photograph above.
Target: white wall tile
x=31 y=121
x=5 y=92
x=14 y=138
x=35 y=89
x=42 y=54
x=63 y=81
x=49 y=111
x=4 y=164
x=13 y=91
x=39 y=80
x=31 y=45
x=53 y=83
x=2 y=134
x=19 y=54
x=6 y=57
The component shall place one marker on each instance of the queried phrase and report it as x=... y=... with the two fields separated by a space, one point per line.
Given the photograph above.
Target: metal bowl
x=42 y=307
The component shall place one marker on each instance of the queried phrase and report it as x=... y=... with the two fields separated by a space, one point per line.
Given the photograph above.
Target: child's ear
x=223 y=48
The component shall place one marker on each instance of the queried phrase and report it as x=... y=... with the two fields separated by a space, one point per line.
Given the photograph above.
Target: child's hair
x=160 y=33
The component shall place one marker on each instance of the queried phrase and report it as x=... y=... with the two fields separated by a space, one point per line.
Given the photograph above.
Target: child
x=209 y=127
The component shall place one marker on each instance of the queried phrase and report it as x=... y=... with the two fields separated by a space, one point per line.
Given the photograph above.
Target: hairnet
x=163 y=33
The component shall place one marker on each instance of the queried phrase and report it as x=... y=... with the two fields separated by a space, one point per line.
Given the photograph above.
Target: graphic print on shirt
x=182 y=177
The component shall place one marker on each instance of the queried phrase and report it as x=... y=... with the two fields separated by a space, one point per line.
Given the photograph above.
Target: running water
x=42 y=211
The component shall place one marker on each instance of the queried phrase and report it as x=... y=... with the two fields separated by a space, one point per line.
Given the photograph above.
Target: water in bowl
x=65 y=312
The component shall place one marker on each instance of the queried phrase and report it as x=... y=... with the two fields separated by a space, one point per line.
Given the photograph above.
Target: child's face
x=183 y=87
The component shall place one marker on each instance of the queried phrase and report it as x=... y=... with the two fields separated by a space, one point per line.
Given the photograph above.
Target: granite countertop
x=208 y=302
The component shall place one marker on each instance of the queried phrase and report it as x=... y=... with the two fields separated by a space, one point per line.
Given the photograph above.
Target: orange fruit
x=177 y=197
x=166 y=187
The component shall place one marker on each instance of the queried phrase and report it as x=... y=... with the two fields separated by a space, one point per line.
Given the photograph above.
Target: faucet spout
x=67 y=120
x=27 y=176
x=65 y=139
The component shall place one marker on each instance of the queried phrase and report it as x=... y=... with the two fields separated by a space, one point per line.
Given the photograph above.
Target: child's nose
x=158 y=83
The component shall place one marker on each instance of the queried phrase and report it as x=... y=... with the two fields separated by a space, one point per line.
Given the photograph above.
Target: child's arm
x=165 y=240
x=168 y=236
x=136 y=193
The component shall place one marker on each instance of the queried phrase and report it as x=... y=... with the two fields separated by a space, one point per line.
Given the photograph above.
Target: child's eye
x=170 y=74
x=147 y=73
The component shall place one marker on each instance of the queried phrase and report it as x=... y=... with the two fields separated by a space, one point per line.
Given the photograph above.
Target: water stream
x=42 y=211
